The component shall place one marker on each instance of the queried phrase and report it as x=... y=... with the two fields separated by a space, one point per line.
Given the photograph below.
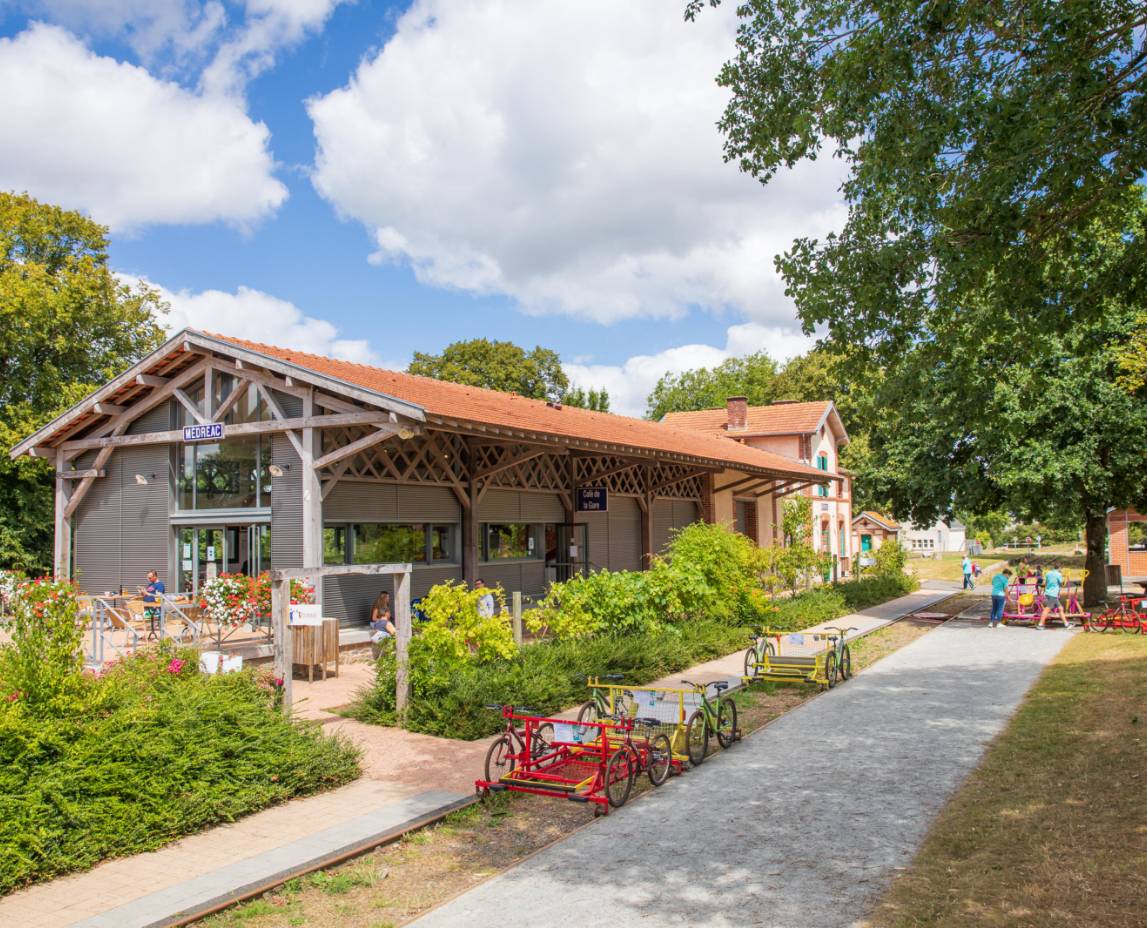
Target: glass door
x=206 y=552
x=570 y=552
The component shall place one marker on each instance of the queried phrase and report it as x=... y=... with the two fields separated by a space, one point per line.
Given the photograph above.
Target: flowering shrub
x=229 y=599
x=44 y=658
x=301 y=594
x=10 y=580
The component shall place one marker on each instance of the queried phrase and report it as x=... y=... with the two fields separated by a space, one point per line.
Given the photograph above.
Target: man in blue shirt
x=967 y=567
x=1052 y=583
x=151 y=594
x=999 y=596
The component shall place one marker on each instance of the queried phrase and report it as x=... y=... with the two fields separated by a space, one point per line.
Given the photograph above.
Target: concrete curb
x=211 y=892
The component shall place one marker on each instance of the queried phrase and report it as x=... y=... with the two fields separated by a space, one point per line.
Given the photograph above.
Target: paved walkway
x=802 y=824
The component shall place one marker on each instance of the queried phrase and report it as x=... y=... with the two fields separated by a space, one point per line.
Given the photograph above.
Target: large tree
x=496 y=366
x=753 y=376
x=993 y=252
x=67 y=324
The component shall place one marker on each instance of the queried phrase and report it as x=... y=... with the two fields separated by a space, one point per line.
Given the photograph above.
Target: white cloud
x=630 y=383
x=565 y=154
x=149 y=27
x=259 y=316
x=89 y=132
x=271 y=25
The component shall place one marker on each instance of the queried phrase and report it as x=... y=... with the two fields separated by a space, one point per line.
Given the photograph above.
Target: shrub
x=143 y=754
x=889 y=560
x=456 y=634
x=547 y=676
x=619 y=602
x=44 y=660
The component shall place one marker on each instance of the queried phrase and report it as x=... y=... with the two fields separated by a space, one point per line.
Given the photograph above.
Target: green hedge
x=144 y=755
x=550 y=675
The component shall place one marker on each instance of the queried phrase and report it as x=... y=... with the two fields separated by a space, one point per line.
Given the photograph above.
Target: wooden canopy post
x=283 y=644
x=61 y=562
x=402 y=633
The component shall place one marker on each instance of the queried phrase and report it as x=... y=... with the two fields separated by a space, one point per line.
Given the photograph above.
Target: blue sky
x=370 y=179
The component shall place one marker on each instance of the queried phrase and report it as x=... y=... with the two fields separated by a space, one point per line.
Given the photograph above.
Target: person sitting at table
x=155 y=588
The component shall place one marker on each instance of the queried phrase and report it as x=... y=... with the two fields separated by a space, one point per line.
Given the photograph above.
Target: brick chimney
x=737 y=408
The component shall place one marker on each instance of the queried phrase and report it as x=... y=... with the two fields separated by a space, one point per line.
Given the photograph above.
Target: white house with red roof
x=805 y=433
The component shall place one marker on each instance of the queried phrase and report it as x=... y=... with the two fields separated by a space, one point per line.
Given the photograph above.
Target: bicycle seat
x=614 y=676
x=719 y=685
x=648 y=722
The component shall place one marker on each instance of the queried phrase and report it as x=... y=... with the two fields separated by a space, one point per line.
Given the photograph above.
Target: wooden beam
x=62 y=539
x=85 y=484
x=346 y=451
x=512 y=462
x=281 y=636
x=109 y=409
x=150 y=380
x=793 y=488
x=277 y=412
x=244 y=428
x=312 y=493
x=332 y=481
x=237 y=393
x=209 y=393
x=80 y=474
x=402 y=632
x=700 y=472
x=185 y=402
x=736 y=483
x=341 y=570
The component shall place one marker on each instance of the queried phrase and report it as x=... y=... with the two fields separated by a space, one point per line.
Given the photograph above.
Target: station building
x=216 y=455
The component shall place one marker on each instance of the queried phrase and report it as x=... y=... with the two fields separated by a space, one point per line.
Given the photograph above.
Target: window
x=389 y=543
x=377 y=543
x=232 y=474
x=334 y=545
x=509 y=540
x=822 y=464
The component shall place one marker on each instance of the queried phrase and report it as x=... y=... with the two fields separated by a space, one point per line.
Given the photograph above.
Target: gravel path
x=802 y=824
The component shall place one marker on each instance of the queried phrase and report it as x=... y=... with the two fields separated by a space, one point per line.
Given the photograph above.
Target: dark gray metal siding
x=542 y=507
x=500 y=506
x=361 y=502
x=669 y=514
x=427 y=504
x=624 y=523
x=598 y=538
x=286 y=505
x=121 y=529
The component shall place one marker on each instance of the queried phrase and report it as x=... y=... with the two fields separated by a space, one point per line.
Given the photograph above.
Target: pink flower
x=175 y=665
x=279 y=682
x=12 y=697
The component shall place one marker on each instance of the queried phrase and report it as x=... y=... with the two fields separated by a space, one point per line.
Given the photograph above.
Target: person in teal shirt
x=999 y=596
x=1052 y=583
x=966 y=566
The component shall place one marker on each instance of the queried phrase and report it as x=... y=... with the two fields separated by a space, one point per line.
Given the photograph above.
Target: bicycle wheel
x=830 y=669
x=726 y=723
x=751 y=662
x=500 y=759
x=846 y=664
x=660 y=763
x=542 y=741
x=587 y=713
x=619 y=774
x=1099 y=622
x=696 y=738
x=1130 y=622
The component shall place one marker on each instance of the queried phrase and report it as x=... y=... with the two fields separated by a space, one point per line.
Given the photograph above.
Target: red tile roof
x=776 y=419
x=460 y=403
x=878 y=518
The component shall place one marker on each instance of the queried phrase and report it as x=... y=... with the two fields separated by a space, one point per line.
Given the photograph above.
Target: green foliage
x=753 y=376
x=547 y=676
x=618 y=602
x=1131 y=356
x=710 y=571
x=67 y=324
x=43 y=660
x=889 y=559
x=148 y=752
x=597 y=400
x=497 y=366
x=994 y=276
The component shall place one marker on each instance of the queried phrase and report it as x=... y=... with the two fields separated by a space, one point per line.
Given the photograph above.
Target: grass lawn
x=1051 y=829
x=395 y=884
x=950 y=566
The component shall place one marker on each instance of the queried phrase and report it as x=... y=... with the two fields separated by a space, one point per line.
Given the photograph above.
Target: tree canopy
x=509 y=368
x=980 y=137
x=67 y=324
x=753 y=376
x=992 y=263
